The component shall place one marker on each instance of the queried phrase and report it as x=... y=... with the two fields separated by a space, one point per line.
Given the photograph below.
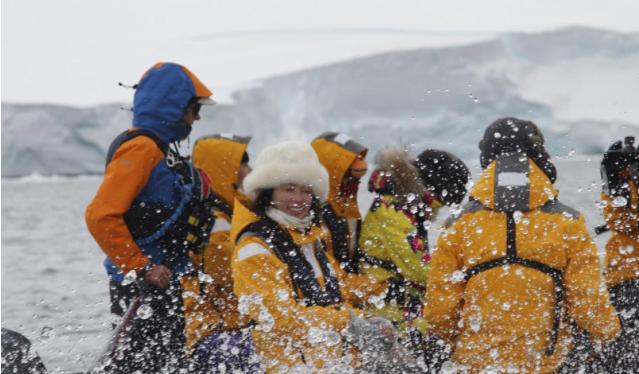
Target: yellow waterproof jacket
x=209 y=302
x=622 y=249
x=389 y=235
x=337 y=153
x=503 y=317
x=290 y=335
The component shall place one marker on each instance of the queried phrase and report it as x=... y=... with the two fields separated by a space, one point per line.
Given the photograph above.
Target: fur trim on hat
x=288 y=162
x=401 y=166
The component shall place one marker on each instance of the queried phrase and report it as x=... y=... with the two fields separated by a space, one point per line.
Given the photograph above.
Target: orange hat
x=359 y=167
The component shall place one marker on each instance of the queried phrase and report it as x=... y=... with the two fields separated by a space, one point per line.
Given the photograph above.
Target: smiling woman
x=293 y=200
x=285 y=277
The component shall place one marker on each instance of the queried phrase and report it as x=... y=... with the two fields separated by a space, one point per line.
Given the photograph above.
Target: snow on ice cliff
x=580 y=85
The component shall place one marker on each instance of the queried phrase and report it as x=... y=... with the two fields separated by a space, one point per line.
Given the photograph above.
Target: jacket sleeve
x=125 y=176
x=264 y=287
x=587 y=299
x=385 y=235
x=445 y=289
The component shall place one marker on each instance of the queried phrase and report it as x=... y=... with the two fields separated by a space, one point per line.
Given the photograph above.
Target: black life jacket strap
x=220 y=204
x=384 y=264
x=134 y=133
x=301 y=272
x=339 y=234
x=511 y=258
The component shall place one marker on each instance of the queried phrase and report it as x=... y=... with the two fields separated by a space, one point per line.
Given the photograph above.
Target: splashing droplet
x=129 y=278
x=144 y=311
x=619 y=201
x=47 y=333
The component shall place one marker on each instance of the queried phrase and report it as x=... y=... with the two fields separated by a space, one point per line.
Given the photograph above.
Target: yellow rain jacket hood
x=509 y=267
x=210 y=305
x=289 y=334
x=337 y=153
x=220 y=156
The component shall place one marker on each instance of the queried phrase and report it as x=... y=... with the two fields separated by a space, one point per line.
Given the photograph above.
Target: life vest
x=179 y=229
x=515 y=198
x=301 y=272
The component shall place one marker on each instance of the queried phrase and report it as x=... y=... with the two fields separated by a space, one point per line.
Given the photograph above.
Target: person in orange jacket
x=620 y=173
x=516 y=264
x=345 y=161
x=284 y=274
x=214 y=326
x=150 y=210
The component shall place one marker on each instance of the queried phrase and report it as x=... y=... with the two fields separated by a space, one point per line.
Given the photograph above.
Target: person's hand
x=158 y=276
x=384 y=326
x=374 y=333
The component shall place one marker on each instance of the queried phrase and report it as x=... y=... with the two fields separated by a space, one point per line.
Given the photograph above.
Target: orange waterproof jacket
x=502 y=318
x=290 y=335
x=209 y=302
x=622 y=249
x=337 y=152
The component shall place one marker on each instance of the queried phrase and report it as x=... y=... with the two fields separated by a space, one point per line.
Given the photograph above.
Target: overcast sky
x=75 y=51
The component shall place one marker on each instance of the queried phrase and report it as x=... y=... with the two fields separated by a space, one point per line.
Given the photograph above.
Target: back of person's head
x=288 y=162
x=511 y=135
x=396 y=174
x=443 y=174
x=620 y=165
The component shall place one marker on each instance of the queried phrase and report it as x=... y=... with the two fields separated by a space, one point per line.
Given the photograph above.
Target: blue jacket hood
x=160 y=99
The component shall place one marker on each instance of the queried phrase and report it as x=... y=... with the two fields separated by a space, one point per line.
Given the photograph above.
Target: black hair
x=263 y=201
x=245 y=158
x=444 y=174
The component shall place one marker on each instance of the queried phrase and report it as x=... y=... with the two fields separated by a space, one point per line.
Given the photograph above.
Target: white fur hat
x=288 y=162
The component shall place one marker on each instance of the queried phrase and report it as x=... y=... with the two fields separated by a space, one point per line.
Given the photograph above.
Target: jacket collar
x=513 y=182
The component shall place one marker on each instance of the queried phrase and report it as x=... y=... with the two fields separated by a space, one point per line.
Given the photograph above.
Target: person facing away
x=344 y=159
x=620 y=173
x=214 y=327
x=284 y=274
x=408 y=193
x=516 y=266
x=141 y=214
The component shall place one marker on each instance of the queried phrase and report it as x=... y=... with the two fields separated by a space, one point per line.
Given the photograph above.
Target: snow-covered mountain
x=580 y=85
